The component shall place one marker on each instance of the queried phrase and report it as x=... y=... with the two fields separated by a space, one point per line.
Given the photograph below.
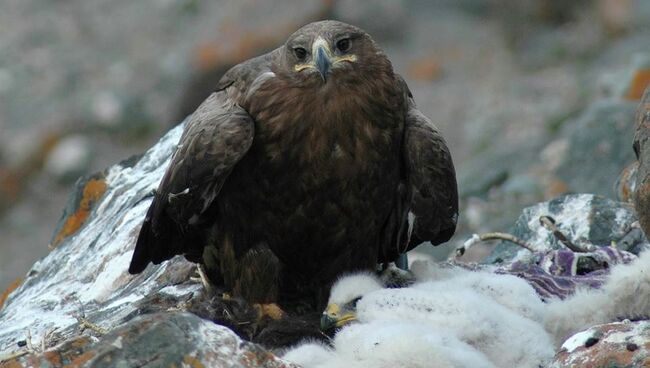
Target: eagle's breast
x=324 y=124
x=324 y=157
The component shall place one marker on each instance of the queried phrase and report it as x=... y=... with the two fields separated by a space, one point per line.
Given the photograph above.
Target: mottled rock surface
x=156 y=340
x=79 y=307
x=598 y=147
x=613 y=345
x=586 y=219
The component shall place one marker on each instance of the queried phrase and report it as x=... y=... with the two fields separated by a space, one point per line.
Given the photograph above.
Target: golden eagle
x=307 y=162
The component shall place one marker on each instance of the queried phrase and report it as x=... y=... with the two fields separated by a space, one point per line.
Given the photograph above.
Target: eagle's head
x=345 y=295
x=332 y=49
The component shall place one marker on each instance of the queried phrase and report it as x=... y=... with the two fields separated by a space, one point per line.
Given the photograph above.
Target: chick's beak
x=332 y=318
x=327 y=322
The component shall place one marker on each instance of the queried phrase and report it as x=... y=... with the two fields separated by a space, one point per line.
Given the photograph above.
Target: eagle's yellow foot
x=203 y=278
x=271 y=310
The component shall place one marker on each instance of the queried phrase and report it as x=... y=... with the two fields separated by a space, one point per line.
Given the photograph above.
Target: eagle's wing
x=431 y=210
x=216 y=137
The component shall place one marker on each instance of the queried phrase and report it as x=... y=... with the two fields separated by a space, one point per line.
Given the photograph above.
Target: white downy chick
x=508 y=339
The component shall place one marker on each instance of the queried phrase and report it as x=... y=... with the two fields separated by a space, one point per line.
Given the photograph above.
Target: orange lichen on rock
x=81 y=360
x=13 y=178
x=207 y=56
x=427 y=69
x=13 y=286
x=92 y=192
x=625 y=185
x=70 y=354
x=555 y=187
x=14 y=363
x=640 y=81
x=53 y=357
x=236 y=43
x=213 y=55
x=192 y=362
x=257 y=358
x=10 y=183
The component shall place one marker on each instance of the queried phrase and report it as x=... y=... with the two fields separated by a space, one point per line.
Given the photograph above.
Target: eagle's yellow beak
x=323 y=59
x=332 y=317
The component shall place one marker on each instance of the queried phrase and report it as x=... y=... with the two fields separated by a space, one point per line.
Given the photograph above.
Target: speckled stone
x=599 y=146
x=157 y=340
x=613 y=345
x=583 y=218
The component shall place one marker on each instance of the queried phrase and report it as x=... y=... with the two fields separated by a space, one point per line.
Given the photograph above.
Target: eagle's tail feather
x=159 y=240
x=141 y=257
x=154 y=239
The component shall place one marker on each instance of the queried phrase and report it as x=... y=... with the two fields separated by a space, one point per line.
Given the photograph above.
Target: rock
x=628 y=81
x=642 y=149
x=494 y=167
x=162 y=339
x=598 y=142
x=527 y=23
x=83 y=285
x=583 y=218
x=620 y=344
x=625 y=185
x=68 y=63
x=616 y=15
x=69 y=158
x=639 y=78
x=383 y=19
x=106 y=109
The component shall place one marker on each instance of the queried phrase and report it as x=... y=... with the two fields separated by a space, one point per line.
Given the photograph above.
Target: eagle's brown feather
x=215 y=138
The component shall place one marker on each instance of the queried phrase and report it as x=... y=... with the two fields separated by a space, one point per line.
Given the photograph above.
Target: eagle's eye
x=300 y=53
x=355 y=301
x=343 y=45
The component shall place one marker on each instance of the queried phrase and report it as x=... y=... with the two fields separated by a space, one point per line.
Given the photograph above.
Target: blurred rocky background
x=535 y=97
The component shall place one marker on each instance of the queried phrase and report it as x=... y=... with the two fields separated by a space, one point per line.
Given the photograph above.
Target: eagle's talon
x=270 y=310
x=203 y=277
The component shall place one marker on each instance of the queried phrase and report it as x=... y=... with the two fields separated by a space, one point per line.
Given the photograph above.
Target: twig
x=46 y=337
x=86 y=324
x=28 y=339
x=476 y=238
x=16 y=354
x=43 y=341
x=548 y=222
